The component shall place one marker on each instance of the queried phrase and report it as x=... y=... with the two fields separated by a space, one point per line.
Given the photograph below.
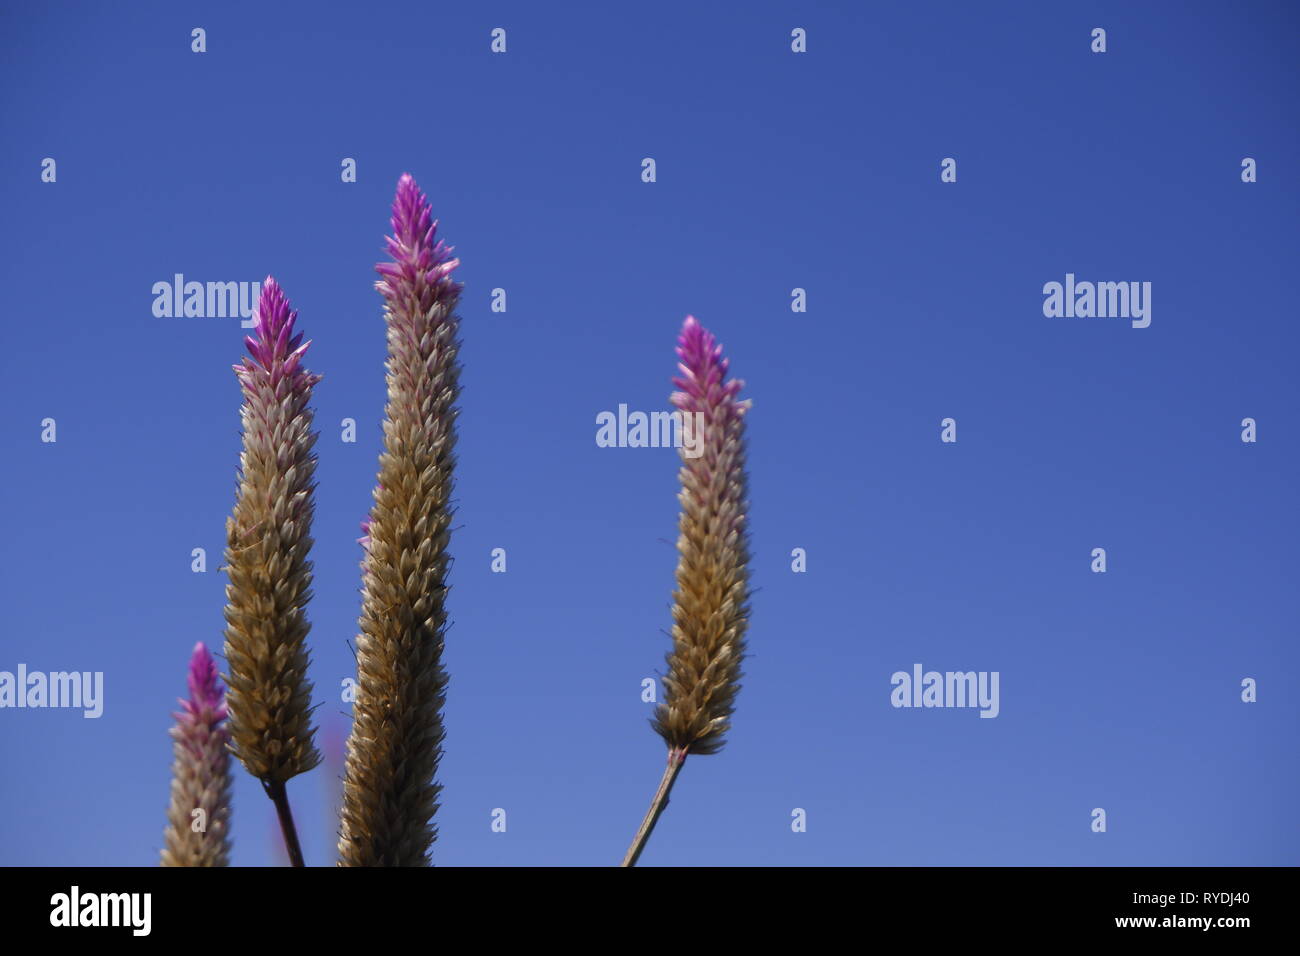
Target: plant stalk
x=676 y=760
x=280 y=797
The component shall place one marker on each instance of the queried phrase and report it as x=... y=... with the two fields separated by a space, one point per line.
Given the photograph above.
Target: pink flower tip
x=412 y=214
x=205 y=684
x=273 y=324
x=418 y=256
x=703 y=384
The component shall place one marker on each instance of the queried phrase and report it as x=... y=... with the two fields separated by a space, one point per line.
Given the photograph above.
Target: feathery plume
x=268 y=540
x=710 y=603
x=389 y=791
x=200 y=772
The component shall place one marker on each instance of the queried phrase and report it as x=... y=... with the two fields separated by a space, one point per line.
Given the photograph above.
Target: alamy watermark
x=1102 y=300
x=947 y=689
x=76 y=689
x=675 y=429
x=205 y=300
x=74 y=908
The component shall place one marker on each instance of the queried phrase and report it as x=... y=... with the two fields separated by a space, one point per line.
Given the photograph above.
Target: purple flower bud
x=275 y=350
x=206 y=694
x=200 y=773
x=420 y=274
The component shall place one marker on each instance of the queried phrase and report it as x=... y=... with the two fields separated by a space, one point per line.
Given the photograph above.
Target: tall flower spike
x=268 y=540
x=710 y=603
x=389 y=791
x=200 y=773
x=710 y=610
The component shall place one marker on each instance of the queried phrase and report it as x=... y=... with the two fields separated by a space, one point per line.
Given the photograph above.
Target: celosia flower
x=389 y=792
x=268 y=540
x=710 y=603
x=200 y=773
x=710 y=610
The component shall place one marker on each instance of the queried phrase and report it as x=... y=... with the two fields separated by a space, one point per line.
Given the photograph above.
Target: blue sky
x=775 y=171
